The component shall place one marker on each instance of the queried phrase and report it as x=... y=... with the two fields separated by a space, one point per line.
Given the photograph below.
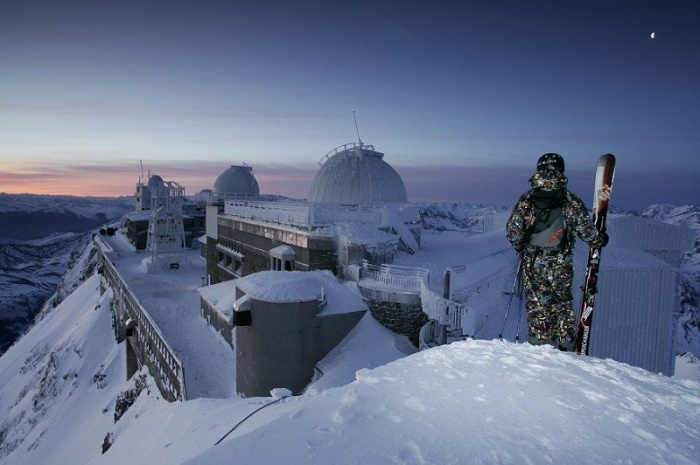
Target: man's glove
x=602 y=239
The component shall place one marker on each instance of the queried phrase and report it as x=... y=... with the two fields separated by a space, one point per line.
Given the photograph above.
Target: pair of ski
x=605 y=174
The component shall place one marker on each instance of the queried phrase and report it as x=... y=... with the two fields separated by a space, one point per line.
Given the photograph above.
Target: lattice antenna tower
x=166 y=231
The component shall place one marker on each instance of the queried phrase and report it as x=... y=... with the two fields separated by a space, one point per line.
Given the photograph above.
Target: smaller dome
x=155 y=181
x=238 y=180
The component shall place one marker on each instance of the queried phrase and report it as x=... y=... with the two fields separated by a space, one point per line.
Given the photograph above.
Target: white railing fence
x=152 y=348
x=445 y=312
x=406 y=278
x=307 y=216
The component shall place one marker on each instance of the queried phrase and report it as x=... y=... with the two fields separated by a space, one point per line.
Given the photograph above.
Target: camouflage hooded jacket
x=550 y=186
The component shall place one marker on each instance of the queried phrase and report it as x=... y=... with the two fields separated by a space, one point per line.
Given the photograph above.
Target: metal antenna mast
x=356 y=129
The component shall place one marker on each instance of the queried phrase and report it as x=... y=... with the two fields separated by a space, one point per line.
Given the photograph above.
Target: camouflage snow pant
x=547 y=282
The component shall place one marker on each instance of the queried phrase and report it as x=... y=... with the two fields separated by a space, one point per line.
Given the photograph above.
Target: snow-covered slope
x=55 y=379
x=686 y=215
x=454 y=216
x=688 y=334
x=469 y=402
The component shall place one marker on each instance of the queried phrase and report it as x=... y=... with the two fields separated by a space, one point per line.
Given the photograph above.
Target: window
x=282 y=258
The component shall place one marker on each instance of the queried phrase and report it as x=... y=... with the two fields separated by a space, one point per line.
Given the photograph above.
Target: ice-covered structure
x=166 y=230
x=354 y=186
x=137 y=223
x=144 y=192
x=357 y=217
x=237 y=181
x=356 y=174
x=285 y=323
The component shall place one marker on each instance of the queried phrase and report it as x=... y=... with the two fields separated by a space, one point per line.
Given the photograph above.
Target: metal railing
x=295 y=214
x=405 y=278
x=344 y=148
x=440 y=309
x=302 y=215
x=152 y=348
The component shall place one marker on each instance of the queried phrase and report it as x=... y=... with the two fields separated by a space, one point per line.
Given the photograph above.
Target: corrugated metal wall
x=665 y=241
x=495 y=221
x=633 y=320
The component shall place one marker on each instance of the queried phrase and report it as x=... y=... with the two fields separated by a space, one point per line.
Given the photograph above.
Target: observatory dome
x=155 y=181
x=355 y=174
x=238 y=180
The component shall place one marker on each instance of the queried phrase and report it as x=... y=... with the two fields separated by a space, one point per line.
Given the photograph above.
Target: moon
x=653 y=35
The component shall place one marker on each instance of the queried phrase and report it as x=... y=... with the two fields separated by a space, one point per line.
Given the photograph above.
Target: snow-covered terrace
x=310 y=216
x=172 y=301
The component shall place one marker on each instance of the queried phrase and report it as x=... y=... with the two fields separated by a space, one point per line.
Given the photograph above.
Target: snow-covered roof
x=138 y=215
x=283 y=252
x=357 y=175
x=220 y=296
x=288 y=286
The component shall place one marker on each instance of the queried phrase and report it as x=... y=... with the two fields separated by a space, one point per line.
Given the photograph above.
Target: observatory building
x=356 y=210
x=357 y=215
x=157 y=193
x=236 y=182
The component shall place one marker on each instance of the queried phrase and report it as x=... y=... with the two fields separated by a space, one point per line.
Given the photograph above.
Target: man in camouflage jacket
x=547 y=260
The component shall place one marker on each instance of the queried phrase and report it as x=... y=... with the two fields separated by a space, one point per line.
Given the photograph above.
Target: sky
x=462 y=97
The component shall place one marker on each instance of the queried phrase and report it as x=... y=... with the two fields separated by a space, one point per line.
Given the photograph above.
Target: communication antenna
x=356 y=128
x=141 y=169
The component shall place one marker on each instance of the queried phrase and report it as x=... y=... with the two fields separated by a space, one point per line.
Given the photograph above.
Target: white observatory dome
x=237 y=181
x=354 y=174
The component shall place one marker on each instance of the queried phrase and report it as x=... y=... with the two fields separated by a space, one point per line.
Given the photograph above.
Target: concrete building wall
x=210 y=256
x=137 y=233
x=283 y=343
x=255 y=240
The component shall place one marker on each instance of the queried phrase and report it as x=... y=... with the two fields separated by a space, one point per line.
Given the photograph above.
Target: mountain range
x=41 y=236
